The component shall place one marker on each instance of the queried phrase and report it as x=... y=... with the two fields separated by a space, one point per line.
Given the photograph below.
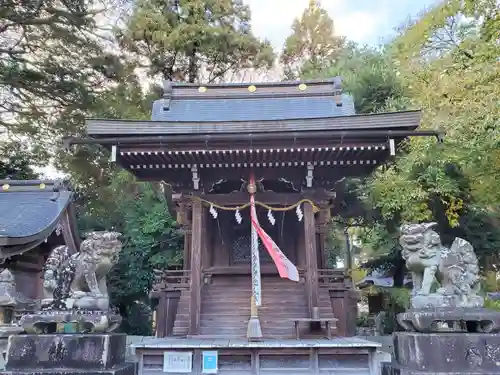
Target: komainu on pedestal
x=448 y=331
x=70 y=334
x=456 y=306
x=75 y=291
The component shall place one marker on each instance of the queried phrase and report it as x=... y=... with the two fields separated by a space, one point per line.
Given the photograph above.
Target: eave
x=408 y=120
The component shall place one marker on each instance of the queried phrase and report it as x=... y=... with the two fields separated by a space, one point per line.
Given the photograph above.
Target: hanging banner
x=256 y=286
x=286 y=269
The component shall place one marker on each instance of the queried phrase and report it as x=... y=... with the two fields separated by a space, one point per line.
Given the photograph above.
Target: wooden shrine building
x=299 y=139
x=35 y=217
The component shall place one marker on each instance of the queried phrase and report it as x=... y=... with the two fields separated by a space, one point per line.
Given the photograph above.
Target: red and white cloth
x=286 y=269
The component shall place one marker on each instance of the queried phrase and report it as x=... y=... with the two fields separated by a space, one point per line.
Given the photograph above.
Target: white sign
x=180 y=362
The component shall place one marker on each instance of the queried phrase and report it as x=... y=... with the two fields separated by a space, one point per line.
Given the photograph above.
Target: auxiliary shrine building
x=299 y=140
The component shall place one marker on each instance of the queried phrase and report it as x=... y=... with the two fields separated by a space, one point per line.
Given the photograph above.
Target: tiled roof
x=252 y=102
x=251 y=109
x=27 y=211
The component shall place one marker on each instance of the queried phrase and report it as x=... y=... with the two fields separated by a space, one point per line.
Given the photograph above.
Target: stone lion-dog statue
x=455 y=268
x=86 y=288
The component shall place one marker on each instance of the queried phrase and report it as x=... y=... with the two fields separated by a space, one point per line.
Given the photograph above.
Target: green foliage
x=491 y=304
x=17 y=166
x=458 y=95
x=312 y=44
x=450 y=70
x=194 y=40
x=110 y=198
x=364 y=320
x=150 y=241
x=51 y=62
x=368 y=74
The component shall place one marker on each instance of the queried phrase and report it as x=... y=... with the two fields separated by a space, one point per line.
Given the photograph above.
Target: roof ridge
x=17 y=186
x=311 y=82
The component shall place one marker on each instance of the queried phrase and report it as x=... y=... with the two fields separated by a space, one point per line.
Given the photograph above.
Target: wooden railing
x=171 y=280
x=331 y=278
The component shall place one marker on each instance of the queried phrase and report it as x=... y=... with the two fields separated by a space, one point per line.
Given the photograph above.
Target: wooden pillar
x=322 y=230
x=311 y=258
x=166 y=311
x=207 y=241
x=195 y=284
x=187 y=249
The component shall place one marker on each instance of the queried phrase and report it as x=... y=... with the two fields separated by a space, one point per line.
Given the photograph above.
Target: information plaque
x=209 y=362
x=178 y=362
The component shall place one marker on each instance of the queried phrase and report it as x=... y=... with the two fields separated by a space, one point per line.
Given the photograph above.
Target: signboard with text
x=178 y=362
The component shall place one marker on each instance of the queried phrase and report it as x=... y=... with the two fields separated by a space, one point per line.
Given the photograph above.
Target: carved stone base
x=436 y=300
x=68 y=354
x=451 y=320
x=54 y=321
x=444 y=353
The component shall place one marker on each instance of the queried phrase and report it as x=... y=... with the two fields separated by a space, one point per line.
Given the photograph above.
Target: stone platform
x=339 y=356
x=68 y=354
x=445 y=353
x=456 y=319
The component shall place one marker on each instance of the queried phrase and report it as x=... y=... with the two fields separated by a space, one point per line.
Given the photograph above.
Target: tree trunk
x=192 y=68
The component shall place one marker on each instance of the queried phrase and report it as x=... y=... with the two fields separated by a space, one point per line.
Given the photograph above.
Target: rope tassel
x=299 y=213
x=213 y=211
x=238 y=217
x=270 y=217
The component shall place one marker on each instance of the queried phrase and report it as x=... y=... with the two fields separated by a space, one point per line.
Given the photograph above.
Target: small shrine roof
x=29 y=212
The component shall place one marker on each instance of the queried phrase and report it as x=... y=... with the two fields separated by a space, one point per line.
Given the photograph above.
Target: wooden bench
x=315 y=320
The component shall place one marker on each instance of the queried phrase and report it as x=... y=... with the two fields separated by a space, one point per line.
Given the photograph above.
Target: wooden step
x=225 y=307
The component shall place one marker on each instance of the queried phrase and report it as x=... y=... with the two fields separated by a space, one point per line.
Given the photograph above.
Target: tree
x=150 y=241
x=17 y=167
x=454 y=80
x=109 y=198
x=193 y=40
x=52 y=61
x=369 y=75
x=312 y=44
x=454 y=183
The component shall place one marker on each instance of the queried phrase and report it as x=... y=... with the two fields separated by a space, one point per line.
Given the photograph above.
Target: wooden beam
x=195 y=285
x=311 y=258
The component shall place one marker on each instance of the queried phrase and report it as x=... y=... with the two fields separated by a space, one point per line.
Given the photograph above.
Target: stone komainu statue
x=455 y=268
x=80 y=278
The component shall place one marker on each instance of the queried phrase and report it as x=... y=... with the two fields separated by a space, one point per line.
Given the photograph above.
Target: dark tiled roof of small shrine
x=252 y=102
x=252 y=109
x=29 y=209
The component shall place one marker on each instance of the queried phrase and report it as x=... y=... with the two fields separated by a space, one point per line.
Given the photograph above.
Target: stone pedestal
x=472 y=320
x=78 y=321
x=6 y=330
x=418 y=353
x=67 y=354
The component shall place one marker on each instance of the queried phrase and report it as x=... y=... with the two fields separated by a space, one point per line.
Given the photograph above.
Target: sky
x=363 y=21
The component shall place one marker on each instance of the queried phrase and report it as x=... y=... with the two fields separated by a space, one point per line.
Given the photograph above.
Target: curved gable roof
x=30 y=210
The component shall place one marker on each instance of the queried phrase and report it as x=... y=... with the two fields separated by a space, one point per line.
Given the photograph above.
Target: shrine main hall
x=297 y=142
